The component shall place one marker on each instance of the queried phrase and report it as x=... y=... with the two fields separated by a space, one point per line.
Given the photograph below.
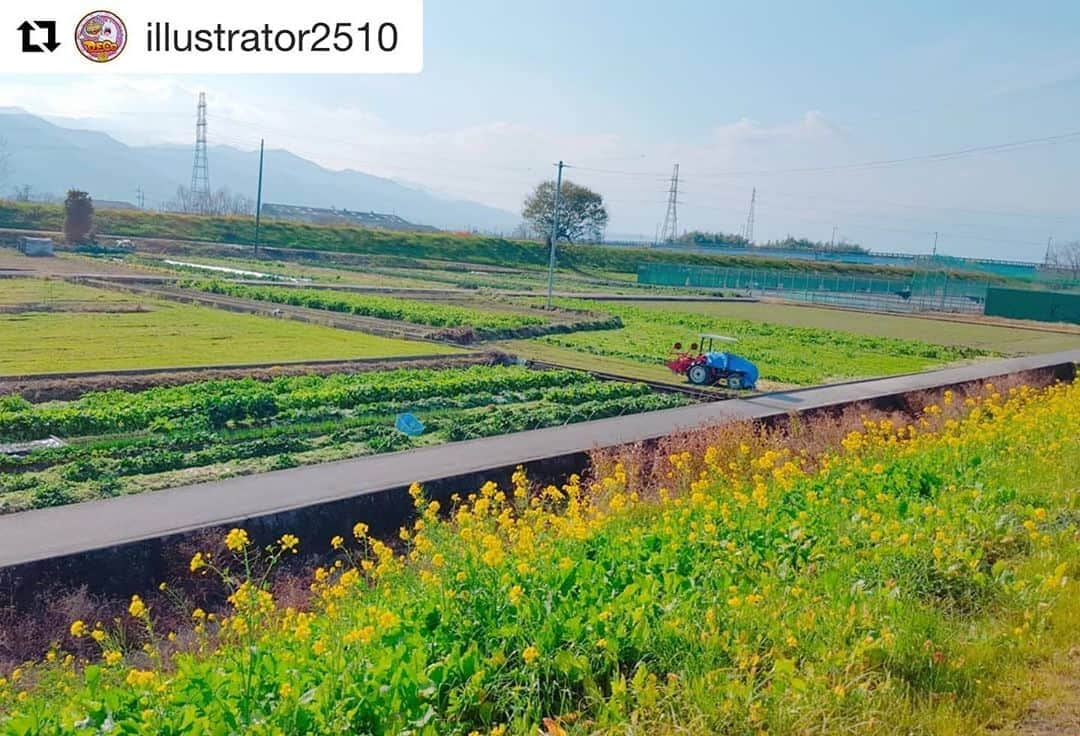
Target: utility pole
x=140 y=197
x=554 y=235
x=670 y=231
x=258 y=196
x=1049 y=250
x=833 y=242
x=934 y=252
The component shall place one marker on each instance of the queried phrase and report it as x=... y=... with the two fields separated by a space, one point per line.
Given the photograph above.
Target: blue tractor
x=704 y=366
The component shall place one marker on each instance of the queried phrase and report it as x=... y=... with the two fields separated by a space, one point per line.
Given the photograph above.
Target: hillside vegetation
x=442 y=246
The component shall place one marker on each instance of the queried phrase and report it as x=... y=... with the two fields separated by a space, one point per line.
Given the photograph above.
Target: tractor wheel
x=734 y=381
x=700 y=375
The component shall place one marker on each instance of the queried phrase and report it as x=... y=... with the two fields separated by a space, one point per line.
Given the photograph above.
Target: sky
x=790 y=98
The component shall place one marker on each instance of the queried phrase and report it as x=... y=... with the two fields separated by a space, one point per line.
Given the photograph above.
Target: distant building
x=322 y=216
x=36 y=246
x=113 y=204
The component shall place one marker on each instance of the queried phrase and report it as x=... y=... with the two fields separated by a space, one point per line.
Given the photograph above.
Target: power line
x=874 y=164
x=930 y=157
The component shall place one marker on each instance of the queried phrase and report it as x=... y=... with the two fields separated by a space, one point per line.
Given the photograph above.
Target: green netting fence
x=922 y=292
x=1044 y=306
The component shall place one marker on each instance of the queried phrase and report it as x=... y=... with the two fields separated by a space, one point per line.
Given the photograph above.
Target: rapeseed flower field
x=888 y=584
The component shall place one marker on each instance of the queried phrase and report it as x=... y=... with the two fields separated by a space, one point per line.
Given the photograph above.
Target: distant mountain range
x=51 y=159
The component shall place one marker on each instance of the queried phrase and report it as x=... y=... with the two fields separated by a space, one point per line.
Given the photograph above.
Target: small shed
x=36 y=246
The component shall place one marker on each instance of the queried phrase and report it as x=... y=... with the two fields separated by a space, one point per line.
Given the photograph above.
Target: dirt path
x=1056 y=711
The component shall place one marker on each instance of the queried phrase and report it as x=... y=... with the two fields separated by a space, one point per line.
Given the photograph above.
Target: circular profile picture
x=100 y=36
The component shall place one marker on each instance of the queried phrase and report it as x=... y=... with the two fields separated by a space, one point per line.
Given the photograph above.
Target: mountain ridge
x=52 y=158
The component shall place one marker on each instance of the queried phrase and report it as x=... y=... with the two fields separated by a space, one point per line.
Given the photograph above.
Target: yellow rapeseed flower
x=140 y=678
x=236 y=540
x=530 y=654
x=137 y=609
x=198 y=562
x=337 y=542
x=78 y=628
x=364 y=635
x=289 y=543
x=112 y=657
x=360 y=530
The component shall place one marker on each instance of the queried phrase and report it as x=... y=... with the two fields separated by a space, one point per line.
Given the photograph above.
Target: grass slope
x=441 y=246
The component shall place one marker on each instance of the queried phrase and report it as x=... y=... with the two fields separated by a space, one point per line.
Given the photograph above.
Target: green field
x=127 y=442
x=991 y=337
x=785 y=354
x=52 y=292
x=165 y=335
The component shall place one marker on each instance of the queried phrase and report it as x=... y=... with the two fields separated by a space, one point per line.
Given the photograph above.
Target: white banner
x=211 y=37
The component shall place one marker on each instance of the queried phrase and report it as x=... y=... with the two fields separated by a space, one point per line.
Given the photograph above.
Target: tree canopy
x=582 y=215
x=78 y=216
x=700 y=237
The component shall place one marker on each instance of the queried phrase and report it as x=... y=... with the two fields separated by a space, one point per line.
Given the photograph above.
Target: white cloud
x=813 y=127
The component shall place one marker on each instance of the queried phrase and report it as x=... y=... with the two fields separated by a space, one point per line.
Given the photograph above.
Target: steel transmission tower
x=200 y=171
x=670 y=229
x=748 y=231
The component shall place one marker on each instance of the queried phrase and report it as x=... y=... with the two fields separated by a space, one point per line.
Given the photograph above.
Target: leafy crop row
x=394 y=308
x=214 y=404
x=120 y=439
x=519 y=419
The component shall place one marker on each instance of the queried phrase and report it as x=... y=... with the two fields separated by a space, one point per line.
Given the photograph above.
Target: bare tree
x=23 y=193
x=224 y=202
x=221 y=202
x=1066 y=257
